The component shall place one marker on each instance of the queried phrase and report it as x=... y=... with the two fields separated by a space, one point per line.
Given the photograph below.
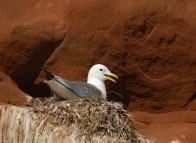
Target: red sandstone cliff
x=149 y=44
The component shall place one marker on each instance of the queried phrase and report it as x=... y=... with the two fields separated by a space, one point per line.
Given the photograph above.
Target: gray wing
x=83 y=89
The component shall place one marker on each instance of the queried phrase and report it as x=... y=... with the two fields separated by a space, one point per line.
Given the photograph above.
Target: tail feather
x=48 y=74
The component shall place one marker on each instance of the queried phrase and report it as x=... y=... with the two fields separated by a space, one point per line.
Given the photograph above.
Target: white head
x=97 y=75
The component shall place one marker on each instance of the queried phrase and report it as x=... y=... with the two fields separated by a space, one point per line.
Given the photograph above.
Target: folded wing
x=82 y=89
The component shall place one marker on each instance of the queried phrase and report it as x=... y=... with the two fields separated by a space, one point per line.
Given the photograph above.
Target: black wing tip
x=48 y=74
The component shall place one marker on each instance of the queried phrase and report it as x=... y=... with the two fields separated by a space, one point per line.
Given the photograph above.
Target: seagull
x=70 y=90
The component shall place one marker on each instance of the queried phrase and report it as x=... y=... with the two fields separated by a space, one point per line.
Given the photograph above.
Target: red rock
x=29 y=33
x=167 y=127
x=192 y=105
x=170 y=117
x=149 y=44
x=10 y=94
x=5 y=78
x=3 y=103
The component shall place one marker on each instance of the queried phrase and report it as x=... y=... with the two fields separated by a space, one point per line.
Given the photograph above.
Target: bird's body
x=94 y=87
x=61 y=91
x=100 y=86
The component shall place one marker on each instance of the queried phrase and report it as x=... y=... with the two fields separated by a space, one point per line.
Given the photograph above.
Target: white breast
x=99 y=85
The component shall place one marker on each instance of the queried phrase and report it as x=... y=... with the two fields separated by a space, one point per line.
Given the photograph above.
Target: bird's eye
x=101 y=69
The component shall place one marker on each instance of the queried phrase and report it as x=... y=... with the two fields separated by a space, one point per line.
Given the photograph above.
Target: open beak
x=111 y=77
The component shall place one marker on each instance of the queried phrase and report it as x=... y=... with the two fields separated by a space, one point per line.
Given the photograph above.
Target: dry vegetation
x=89 y=117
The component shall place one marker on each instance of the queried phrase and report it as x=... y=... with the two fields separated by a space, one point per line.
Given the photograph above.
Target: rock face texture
x=167 y=127
x=149 y=44
x=10 y=93
x=23 y=125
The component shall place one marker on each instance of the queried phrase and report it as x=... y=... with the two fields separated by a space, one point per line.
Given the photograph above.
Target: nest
x=90 y=117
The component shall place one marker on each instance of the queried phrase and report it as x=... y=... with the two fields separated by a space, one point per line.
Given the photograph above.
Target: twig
x=115 y=93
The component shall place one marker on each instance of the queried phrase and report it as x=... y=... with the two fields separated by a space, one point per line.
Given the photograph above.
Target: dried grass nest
x=90 y=117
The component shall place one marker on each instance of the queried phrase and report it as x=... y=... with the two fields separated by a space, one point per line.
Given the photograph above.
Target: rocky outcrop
x=19 y=124
x=10 y=93
x=167 y=127
x=149 y=44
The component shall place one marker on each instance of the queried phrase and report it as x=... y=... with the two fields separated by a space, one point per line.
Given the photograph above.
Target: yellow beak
x=111 y=76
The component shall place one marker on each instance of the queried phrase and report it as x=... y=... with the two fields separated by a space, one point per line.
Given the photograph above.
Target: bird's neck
x=99 y=85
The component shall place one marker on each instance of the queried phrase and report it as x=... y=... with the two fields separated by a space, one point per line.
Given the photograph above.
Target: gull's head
x=102 y=73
